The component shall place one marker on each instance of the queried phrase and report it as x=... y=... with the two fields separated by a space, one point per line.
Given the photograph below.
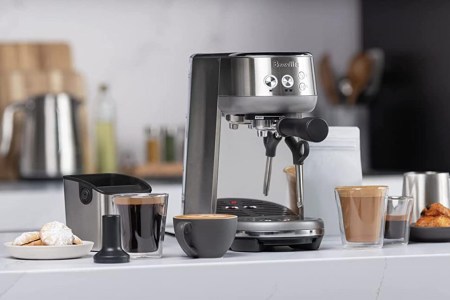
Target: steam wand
x=270 y=142
x=307 y=129
x=300 y=151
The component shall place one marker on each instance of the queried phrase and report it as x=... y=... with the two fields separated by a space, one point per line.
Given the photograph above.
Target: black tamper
x=111 y=251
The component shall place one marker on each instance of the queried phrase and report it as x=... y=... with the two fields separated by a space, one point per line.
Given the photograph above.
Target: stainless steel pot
x=50 y=146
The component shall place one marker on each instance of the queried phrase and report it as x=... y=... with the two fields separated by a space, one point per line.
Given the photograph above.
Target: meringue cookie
x=56 y=234
x=35 y=243
x=77 y=240
x=26 y=238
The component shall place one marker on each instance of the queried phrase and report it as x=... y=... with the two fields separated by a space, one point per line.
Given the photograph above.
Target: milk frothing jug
x=50 y=145
x=426 y=188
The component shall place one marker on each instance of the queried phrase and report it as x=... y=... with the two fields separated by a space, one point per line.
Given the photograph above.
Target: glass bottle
x=168 y=137
x=106 y=146
x=153 y=145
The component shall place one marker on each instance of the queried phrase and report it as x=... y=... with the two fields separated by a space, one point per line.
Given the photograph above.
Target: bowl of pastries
x=433 y=225
x=53 y=241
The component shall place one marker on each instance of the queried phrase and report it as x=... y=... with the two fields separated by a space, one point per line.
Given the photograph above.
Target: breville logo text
x=290 y=64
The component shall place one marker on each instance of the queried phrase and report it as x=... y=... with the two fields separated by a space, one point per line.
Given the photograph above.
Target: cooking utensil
x=345 y=89
x=359 y=74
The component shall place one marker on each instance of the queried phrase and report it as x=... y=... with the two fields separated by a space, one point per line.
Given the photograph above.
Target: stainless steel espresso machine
x=267 y=92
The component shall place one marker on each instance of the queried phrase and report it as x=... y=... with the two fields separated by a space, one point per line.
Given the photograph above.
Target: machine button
x=232 y=207
x=250 y=207
x=301 y=75
x=287 y=81
x=302 y=86
x=271 y=81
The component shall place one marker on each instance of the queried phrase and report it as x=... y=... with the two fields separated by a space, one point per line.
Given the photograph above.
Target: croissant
x=434 y=210
x=431 y=221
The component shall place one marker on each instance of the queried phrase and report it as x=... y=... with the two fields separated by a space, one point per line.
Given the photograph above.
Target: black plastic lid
x=111 y=183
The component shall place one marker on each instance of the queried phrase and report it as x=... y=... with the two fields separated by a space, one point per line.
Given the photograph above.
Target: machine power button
x=271 y=81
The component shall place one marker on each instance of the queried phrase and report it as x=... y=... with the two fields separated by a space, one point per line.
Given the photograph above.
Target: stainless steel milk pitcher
x=426 y=188
x=50 y=145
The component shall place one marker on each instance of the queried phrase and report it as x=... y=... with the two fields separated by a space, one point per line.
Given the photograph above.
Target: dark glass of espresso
x=143 y=223
x=397 y=219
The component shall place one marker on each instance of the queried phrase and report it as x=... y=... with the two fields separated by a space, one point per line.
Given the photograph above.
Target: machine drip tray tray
x=263 y=226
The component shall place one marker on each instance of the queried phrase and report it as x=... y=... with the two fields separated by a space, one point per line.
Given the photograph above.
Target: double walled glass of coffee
x=361 y=215
x=398 y=216
x=143 y=220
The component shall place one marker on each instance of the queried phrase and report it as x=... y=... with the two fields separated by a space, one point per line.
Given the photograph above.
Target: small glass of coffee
x=398 y=216
x=143 y=221
x=361 y=215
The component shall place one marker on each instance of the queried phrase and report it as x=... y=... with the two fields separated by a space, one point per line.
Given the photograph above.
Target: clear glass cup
x=143 y=222
x=397 y=219
x=361 y=215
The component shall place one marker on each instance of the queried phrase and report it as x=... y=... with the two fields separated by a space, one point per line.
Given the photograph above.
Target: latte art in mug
x=205 y=217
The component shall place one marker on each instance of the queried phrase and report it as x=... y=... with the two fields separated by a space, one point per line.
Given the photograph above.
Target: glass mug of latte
x=361 y=215
x=143 y=221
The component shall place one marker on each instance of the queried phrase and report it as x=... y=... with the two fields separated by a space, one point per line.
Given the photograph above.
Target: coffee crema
x=362 y=191
x=205 y=217
x=139 y=200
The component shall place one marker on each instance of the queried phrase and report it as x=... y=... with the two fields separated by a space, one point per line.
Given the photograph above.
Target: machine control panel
x=287 y=81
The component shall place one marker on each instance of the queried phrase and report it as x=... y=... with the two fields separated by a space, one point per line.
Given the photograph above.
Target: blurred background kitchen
x=140 y=49
x=380 y=66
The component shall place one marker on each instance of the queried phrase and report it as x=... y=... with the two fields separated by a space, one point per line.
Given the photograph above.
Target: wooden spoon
x=359 y=74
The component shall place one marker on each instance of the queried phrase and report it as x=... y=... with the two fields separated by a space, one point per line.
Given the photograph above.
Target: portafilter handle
x=300 y=151
x=309 y=129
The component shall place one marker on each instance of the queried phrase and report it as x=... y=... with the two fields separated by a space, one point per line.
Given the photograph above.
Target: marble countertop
x=413 y=271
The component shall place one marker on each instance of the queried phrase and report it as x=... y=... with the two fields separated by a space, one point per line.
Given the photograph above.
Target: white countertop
x=416 y=271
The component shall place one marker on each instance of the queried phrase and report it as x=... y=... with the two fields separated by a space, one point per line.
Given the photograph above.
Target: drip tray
x=263 y=226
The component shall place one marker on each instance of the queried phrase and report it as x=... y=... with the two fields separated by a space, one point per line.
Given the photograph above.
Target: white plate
x=49 y=252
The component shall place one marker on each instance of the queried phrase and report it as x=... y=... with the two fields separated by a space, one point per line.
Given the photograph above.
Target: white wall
x=142 y=48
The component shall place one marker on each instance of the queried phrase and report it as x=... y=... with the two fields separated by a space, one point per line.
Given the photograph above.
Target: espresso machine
x=267 y=92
